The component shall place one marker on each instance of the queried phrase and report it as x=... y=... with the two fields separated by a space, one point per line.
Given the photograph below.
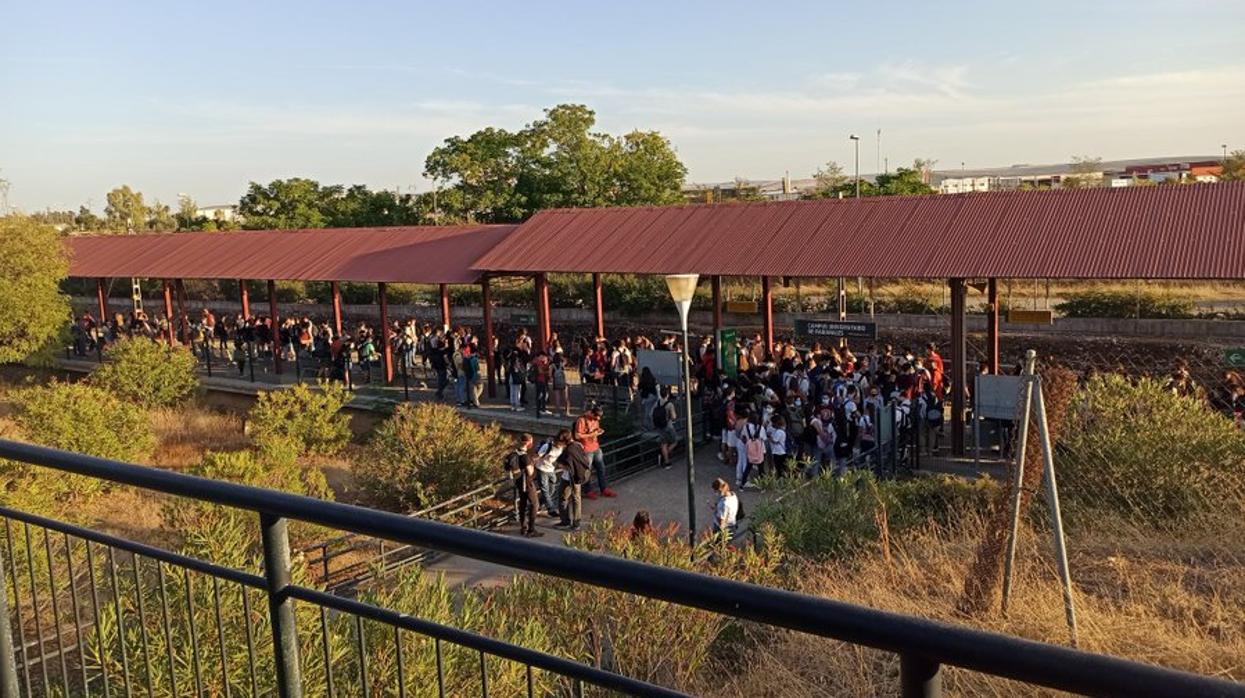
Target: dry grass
x=1178 y=603
x=183 y=433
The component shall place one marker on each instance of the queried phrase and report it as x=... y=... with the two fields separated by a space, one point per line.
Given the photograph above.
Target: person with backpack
x=728 y=420
x=558 y=385
x=824 y=436
x=752 y=450
x=574 y=466
x=522 y=474
x=663 y=421
x=547 y=475
x=776 y=436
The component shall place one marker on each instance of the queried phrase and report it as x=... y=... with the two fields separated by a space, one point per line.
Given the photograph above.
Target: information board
x=1234 y=357
x=728 y=353
x=663 y=364
x=819 y=329
x=997 y=397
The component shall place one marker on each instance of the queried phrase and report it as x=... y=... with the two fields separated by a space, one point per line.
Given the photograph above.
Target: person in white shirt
x=547 y=474
x=725 y=509
x=777 y=441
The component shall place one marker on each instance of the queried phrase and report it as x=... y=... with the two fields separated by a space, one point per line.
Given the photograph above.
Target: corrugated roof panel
x=1192 y=231
x=413 y=254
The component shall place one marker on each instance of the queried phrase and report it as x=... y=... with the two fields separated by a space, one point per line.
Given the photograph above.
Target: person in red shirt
x=933 y=360
x=588 y=433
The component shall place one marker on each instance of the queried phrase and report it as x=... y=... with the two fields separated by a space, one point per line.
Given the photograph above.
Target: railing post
x=8 y=661
x=919 y=677
x=280 y=606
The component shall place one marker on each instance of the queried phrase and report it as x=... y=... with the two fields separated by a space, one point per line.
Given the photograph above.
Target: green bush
x=311 y=417
x=1124 y=304
x=147 y=372
x=74 y=417
x=1135 y=449
x=834 y=517
x=426 y=453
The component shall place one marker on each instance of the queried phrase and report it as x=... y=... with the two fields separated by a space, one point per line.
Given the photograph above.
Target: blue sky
x=201 y=98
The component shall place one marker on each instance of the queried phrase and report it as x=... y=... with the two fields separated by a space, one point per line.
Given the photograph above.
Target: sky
x=201 y=98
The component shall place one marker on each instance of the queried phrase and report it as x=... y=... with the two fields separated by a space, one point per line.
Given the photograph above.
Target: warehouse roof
x=1171 y=232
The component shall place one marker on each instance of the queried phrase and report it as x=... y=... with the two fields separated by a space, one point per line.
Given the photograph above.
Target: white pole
x=1052 y=496
x=1018 y=480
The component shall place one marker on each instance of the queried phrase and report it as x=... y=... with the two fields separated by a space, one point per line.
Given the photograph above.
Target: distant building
x=1114 y=173
x=223 y=212
x=784 y=189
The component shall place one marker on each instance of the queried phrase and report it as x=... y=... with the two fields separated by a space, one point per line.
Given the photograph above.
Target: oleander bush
x=148 y=373
x=310 y=416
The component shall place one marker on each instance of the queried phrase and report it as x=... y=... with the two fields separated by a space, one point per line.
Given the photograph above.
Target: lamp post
x=682 y=289
x=856 y=139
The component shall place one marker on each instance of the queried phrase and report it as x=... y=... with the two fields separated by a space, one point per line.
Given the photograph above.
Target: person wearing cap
x=588 y=434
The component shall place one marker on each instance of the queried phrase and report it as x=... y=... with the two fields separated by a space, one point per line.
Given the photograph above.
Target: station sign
x=835 y=329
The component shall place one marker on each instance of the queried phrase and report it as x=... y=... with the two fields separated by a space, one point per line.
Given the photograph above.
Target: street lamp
x=856 y=139
x=682 y=289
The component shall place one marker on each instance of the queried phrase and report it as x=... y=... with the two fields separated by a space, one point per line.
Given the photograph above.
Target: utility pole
x=856 y=140
x=877 y=165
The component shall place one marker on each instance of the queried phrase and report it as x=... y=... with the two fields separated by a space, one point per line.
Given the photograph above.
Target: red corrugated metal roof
x=1170 y=232
x=414 y=254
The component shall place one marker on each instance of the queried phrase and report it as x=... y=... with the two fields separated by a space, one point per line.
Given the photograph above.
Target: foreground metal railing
x=922 y=645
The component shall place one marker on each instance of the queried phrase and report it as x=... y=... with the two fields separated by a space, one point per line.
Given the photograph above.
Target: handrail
x=919 y=639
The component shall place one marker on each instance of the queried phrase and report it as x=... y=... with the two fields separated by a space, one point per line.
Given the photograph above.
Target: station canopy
x=1194 y=231
x=411 y=254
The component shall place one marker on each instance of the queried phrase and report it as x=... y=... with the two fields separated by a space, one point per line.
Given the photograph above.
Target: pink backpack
x=755 y=447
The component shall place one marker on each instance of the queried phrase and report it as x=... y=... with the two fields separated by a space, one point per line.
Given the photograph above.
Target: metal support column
x=486 y=301
x=386 y=348
x=101 y=296
x=767 y=313
x=598 y=305
x=445 y=305
x=959 y=365
x=183 y=322
x=544 y=328
x=8 y=660
x=275 y=318
x=168 y=310
x=919 y=677
x=337 y=307
x=717 y=306
x=276 y=544
x=244 y=297
x=992 y=324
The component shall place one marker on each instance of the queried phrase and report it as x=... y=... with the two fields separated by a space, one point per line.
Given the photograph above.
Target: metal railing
x=923 y=645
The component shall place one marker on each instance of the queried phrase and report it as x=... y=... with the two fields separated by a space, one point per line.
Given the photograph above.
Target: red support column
x=767 y=310
x=717 y=306
x=337 y=307
x=168 y=310
x=959 y=366
x=486 y=300
x=183 y=322
x=244 y=295
x=598 y=305
x=992 y=322
x=545 y=328
x=386 y=349
x=275 y=318
x=445 y=305
x=101 y=295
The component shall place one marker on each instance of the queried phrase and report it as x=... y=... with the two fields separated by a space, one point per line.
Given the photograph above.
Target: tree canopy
x=495 y=175
x=832 y=182
x=1234 y=167
x=33 y=311
x=305 y=203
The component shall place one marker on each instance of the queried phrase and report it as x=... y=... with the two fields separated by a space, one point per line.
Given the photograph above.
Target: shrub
x=147 y=372
x=1138 y=450
x=74 y=417
x=33 y=311
x=1124 y=304
x=311 y=417
x=841 y=517
x=651 y=640
x=426 y=453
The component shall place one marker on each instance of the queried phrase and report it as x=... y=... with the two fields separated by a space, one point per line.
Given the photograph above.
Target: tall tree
x=1086 y=173
x=87 y=221
x=557 y=161
x=33 y=311
x=286 y=203
x=160 y=218
x=125 y=210
x=830 y=181
x=1234 y=167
